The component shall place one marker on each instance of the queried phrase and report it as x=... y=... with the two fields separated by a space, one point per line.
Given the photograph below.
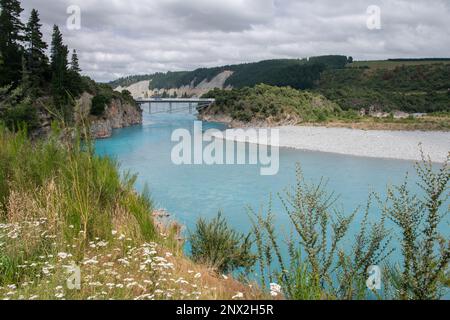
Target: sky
x=116 y=38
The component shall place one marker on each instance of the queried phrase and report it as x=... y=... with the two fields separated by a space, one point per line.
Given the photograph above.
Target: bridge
x=174 y=105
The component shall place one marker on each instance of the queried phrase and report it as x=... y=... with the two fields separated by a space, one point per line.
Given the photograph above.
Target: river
x=190 y=192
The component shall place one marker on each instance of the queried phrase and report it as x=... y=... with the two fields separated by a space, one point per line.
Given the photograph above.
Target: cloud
x=122 y=37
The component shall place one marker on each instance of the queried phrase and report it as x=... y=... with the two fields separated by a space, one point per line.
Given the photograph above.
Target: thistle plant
x=317 y=266
x=424 y=272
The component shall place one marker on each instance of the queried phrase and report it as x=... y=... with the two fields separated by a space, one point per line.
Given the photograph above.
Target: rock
x=401 y=115
x=141 y=89
x=118 y=114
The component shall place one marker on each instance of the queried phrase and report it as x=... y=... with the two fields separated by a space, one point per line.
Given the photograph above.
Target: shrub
x=21 y=115
x=99 y=103
x=317 y=266
x=264 y=101
x=424 y=272
x=215 y=244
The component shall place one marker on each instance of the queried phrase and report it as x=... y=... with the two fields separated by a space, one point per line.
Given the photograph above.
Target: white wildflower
x=275 y=289
x=62 y=255
x=239 y=295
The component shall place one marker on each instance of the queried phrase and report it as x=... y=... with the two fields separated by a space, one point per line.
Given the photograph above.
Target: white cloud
x=122 y=37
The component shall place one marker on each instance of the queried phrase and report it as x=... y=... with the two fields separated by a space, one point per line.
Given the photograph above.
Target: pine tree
x=74 y=64
x=75 y=86
x=37 y=61
x=11 y=35
x=60 y=72
x=26 y=75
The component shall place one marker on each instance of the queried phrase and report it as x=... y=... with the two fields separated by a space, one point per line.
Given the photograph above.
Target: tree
x=37 y=61
x=75 y=81
x=25 y=82
x=74 y=64
x=60 y=72
x=11 y=35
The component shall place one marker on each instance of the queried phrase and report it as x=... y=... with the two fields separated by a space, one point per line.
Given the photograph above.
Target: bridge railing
x=174 y=100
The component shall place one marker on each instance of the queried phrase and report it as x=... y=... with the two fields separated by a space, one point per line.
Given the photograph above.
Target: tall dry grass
x=63 y=206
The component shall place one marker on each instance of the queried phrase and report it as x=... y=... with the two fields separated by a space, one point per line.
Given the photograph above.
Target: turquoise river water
x=190 y=192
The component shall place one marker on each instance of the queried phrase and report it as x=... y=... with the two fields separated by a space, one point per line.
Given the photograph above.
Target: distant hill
x=297 y=73
x=411 y=85
x=422 y=86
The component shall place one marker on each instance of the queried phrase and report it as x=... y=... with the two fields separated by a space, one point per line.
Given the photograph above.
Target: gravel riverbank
x=372 y=143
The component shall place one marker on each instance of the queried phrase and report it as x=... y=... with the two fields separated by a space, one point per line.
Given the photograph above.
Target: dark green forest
x=31 y=82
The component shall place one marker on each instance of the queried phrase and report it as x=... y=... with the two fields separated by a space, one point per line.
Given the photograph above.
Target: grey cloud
x=125 y=37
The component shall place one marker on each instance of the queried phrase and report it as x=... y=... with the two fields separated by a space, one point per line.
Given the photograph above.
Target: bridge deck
x=194 y=104
x=175 y=100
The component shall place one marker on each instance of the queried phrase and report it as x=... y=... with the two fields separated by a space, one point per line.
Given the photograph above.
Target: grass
x=425 y=123
x=386 y=64
x=62 y=206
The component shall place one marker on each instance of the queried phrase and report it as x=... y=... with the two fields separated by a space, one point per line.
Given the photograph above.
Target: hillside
x=408 y=85
x=268 y=105
x=296 y=73
x=384 y=87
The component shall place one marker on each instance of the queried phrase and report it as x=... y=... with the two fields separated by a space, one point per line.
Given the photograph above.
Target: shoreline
x=382 y=144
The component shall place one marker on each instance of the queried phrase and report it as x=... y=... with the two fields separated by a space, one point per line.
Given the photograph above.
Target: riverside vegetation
x=62 y=206
x=269 y=105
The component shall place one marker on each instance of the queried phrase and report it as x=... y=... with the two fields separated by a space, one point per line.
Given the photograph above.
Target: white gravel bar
x=403 y=145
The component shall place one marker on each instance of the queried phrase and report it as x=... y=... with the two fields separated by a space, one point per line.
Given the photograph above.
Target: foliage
x=99 y=103
x=215 y=244
x=331 y=61
x=317 y=266
x=414 y=88
x=60 y=206
x=75 y=82
x=10 y=42
x=36 y=59
x=103 y=96
x=275 y=104
x=297 y=73
x=60 y=74
x=26 y=65
x=425 y=251
x=16 y=109
x=87 y=190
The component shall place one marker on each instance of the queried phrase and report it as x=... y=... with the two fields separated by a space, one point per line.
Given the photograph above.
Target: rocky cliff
x=142 y=89
x=119 y=113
